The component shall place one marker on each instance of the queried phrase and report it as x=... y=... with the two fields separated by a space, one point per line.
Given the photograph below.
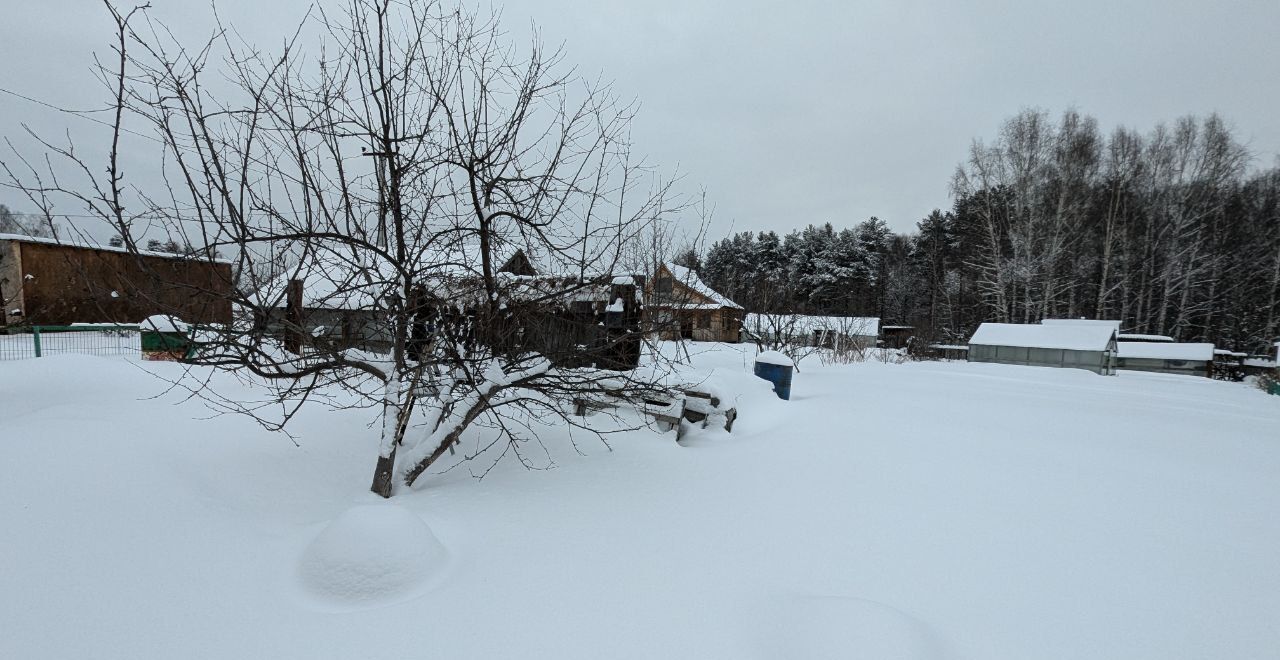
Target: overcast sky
x=791 y=113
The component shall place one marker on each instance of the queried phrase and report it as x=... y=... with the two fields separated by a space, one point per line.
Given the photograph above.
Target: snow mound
x=164 y=323
x=831 y=626
x=369 y=555
x=774 y=357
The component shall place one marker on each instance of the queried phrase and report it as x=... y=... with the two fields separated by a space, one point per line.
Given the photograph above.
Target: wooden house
x=45 y=281
x=682 y=306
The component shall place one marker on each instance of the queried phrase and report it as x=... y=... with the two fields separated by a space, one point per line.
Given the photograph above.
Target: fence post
x=36 y=337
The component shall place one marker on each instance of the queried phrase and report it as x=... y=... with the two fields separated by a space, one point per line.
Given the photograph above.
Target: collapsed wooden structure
x=668 y=409
x=574 y=321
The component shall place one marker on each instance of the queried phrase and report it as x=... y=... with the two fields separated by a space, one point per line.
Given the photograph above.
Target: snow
x=943 y=510
x=1114 y=325
x=1071 y=336
x=774 y=357
x=616 y=306
x=690 y=279
x=1140 y=337
x=805 y=324
x=21 y=238
x=164 y=323
x=1260 y=362
x=1162 y=351
x=370 y=554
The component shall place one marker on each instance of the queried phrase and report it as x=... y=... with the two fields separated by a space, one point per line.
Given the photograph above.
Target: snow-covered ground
x=928 y=510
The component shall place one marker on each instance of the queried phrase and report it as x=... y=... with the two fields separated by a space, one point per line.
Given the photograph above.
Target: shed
x=45 y=281
x=896 y=336
x=1191 y=359
x=684 y=307
x=949 y=351
x=1078 y=346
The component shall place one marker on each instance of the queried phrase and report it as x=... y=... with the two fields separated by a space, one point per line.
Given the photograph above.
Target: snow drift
x=369 y=555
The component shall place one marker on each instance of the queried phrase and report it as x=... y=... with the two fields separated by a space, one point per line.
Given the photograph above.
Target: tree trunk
x=384 y=473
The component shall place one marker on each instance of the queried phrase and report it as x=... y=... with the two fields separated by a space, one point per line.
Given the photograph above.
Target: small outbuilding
x=1078 y=346
x=1257 y=365
x=949 y=351
x=896 y=336
x=1190 y=359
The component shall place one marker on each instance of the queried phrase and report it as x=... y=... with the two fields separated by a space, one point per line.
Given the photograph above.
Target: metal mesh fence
x=40 y=341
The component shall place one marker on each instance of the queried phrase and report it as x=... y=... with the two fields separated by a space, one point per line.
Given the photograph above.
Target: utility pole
x=387 y=158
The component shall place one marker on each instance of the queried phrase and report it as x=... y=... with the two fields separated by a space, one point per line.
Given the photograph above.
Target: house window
x=663 y=285
x=704 y=320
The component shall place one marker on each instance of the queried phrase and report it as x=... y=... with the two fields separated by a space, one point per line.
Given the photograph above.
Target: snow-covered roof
x=164 y=323
x=689 y=306
x=805 y=324
x=776 y=358
x=691 y=280
x=336 y=278
x=21 y=238
x=1161 y=351
x=332 y=281
x=1075 y=337
x=1139 y=337
x=1223 y=351
x=1083 y=322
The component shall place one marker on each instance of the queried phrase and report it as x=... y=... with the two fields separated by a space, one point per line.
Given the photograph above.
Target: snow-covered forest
x=1174 y=231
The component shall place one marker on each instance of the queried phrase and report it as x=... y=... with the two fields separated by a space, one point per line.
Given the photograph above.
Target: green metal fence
x=90 y=339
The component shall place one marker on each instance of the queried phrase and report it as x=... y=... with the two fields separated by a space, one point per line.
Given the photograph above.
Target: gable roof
x=1133 y=336
x=1075 y=337
x=1165 y=351
x=691 y=281
x=1083 y=322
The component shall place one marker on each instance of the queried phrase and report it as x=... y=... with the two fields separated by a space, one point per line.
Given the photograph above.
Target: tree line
x=1171 y=231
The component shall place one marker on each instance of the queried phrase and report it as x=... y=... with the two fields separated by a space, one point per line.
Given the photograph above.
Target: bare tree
x=397 y=175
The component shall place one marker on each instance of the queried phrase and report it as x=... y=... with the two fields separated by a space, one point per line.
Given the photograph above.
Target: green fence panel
x=90 y=339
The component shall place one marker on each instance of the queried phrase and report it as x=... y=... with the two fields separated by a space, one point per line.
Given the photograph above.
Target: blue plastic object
x=779 y=375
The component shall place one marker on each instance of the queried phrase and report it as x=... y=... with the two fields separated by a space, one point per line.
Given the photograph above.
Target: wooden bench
x=668 y=412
